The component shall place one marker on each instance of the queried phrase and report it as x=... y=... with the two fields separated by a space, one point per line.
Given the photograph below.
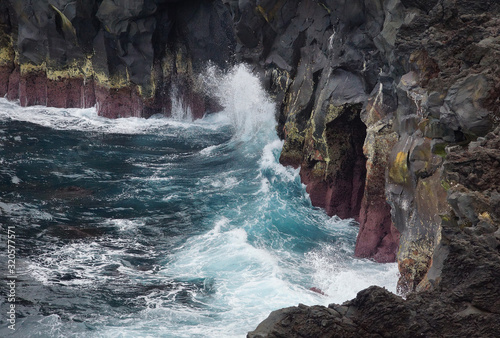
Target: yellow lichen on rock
x=29 y=68
x=333 y=112
x=485 y=217
x=398 y=171
x=281 y=79
x=76 y=69
x=183 y=63
x=7 y=54
x=413 y=263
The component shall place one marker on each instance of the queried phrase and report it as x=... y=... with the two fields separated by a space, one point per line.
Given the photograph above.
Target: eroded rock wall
x=433 y=130
x=464 y=303
x=130 y=58
x=448 y=53
x=334 y=88
x=372 y=96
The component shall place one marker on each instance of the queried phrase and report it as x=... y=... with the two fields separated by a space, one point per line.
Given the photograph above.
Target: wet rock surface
x=429 y=105
x=321 y=61
x=418 y=75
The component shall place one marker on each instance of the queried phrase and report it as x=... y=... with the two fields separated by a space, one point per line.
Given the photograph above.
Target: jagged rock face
x=128 y=57
x=321 y=61
x=419 y=75
x=435 y=115
x=444 y=98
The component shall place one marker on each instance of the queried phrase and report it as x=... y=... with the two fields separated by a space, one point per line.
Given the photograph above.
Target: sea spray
x=180 y=111
x=245 y=102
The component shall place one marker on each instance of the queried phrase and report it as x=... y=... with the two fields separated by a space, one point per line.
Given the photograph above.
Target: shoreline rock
x=432 y=132
x=321 y=62
x=420 y=77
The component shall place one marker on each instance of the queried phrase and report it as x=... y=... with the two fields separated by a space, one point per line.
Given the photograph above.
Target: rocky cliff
x=389 y=107
x=415 y=86
x=128 y=58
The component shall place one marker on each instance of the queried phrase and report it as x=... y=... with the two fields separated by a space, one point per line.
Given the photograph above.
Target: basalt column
x=334 y=167
x=377 y=237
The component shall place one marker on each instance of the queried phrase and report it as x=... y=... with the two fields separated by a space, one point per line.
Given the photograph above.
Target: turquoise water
x=164 y=227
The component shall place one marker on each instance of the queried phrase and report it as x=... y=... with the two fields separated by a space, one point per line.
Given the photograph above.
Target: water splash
x=246 y=104
x=180 y=111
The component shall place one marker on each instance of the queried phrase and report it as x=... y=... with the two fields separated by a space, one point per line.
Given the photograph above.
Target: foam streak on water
x=165 y=227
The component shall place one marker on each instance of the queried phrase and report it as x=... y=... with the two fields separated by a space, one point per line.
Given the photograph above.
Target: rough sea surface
x=164 y=227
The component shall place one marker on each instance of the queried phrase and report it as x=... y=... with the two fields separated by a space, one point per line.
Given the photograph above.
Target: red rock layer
x=34 y=88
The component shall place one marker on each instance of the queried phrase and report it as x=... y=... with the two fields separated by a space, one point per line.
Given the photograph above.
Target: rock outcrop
x=464 y=303
x=129 y=58
x=333 y=85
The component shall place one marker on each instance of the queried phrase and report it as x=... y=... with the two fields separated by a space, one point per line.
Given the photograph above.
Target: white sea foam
x=170 y=197
x=86 y=262
x=180 y=111
x=208 y=150
x=264 y=187
x=269 y=161
x=53 y=326
x=88 y=120
x=341 y=277
x=250 y=282
x=246 y=106
x=24 y=210
x=220 y=183
x=127 y=225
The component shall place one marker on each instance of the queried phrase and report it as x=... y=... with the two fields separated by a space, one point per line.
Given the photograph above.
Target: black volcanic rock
x=322 y=62
x=430 y=96
x=419 y=75
x=127 y=58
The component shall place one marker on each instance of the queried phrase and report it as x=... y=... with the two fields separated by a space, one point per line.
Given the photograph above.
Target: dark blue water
x=163 y=227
